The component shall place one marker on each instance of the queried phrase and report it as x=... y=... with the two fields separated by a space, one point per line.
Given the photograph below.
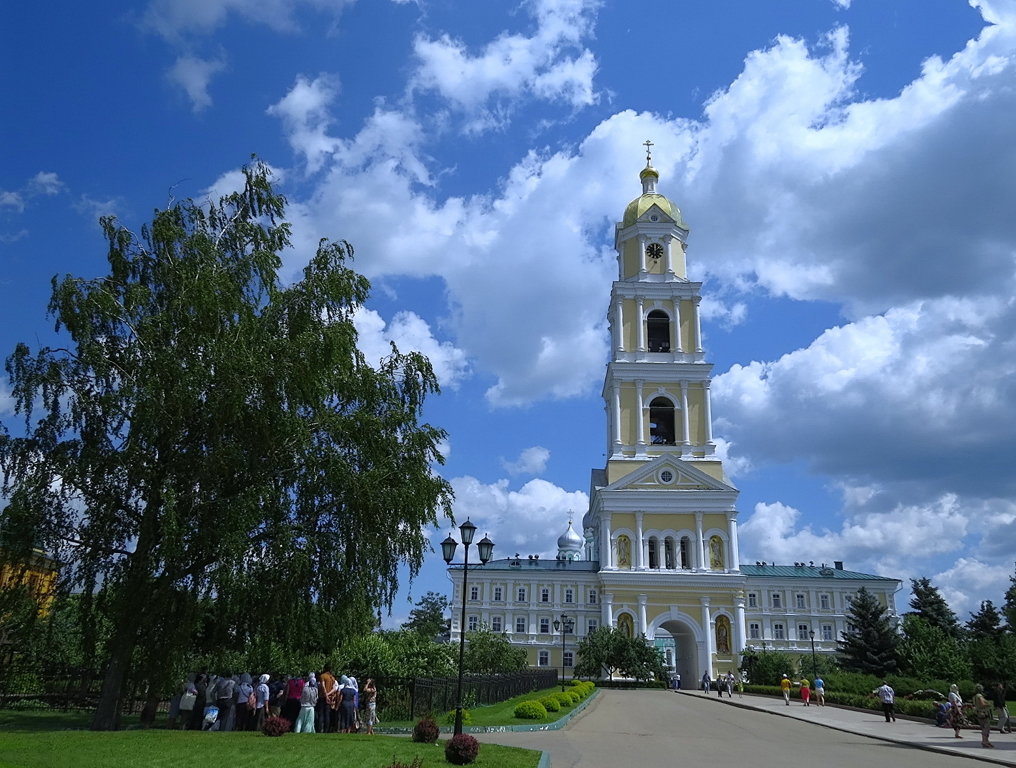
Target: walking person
x=805 y=692
x=706 y=680
x=887 y=696
x=820 y=691
x=982 y=709
x=370 y=699
x=955 y=710
x=1001 y=708
x=785 y=689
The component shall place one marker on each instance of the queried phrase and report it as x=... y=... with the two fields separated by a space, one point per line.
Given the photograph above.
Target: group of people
x=952 y=712
x=805 y=688
x=311 y=704
x=724 y=684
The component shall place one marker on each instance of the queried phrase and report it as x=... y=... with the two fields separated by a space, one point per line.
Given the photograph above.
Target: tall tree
x=869 y=645
x=930 y=653
x=1009 y=606
x=208 y=432
x=929 y=604
x=610 y=648
x=428 y=617
x=492 y=653
x=986 y=623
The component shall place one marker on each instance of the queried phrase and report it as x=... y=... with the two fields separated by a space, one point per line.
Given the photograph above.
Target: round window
x=666 y=476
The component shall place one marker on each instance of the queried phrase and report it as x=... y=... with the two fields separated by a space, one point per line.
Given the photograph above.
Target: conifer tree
x=929 y=604
x=870 y=643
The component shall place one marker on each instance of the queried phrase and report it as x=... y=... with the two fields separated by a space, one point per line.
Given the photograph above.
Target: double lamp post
x=485 y=548
x=565 y=624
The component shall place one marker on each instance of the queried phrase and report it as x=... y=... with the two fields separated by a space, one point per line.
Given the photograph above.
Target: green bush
x=467 y=718
x=426 y=731
x=550 y=704
x=530 y=710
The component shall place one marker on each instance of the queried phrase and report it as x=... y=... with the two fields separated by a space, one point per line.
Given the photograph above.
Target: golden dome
x=637 y=207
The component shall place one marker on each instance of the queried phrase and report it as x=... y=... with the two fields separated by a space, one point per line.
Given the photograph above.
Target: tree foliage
x=928 y=652
x=489 y=653
x=1009 y=605
x=428 y=617
x=870 y=643
x=769 y=667
x=206 y=431
x=929 y=604
x=610 y=649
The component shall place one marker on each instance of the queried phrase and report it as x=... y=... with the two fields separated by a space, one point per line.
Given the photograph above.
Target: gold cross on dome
x=649 y=151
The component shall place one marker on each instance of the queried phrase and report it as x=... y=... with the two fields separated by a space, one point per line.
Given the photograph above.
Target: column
x=707 y=408
x=685 y=424
x=606 y=546
x=642 y=254
x=698 y=324
x=619 y=324
x=735 y=557
x=640 y=562
x=608 y=609
x=616 y=397
x=641 y=320
x=678 y=343
x=707 y=627
x=740 y=632
x=700 y=543
x=640 y=431
x=643 y=626
x=668 y=242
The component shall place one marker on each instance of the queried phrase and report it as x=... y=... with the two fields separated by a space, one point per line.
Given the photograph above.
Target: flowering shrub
x=426 y=731
x=530 y=710
x=276 y=726
x=462 y=749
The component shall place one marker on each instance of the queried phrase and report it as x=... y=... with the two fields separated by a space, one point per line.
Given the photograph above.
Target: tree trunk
x=107 y=713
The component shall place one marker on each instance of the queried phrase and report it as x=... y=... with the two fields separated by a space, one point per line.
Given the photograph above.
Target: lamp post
x=565 y=624
x=814 y=662
x=485 y=548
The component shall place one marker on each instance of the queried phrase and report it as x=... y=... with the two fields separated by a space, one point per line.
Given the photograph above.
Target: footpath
x=907 y=731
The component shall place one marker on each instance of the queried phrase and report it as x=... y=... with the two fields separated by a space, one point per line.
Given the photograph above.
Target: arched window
x=668 y=553
x=654 y=554
x=685 y=552
x=661 y=421
x=658 y=331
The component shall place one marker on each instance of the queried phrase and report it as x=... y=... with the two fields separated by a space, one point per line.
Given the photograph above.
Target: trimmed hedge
x=530 y=710
x=550 y=704
x=564 y=698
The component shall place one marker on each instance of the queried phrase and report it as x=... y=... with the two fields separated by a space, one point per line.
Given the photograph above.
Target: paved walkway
x=649 y=728
x=914 y=733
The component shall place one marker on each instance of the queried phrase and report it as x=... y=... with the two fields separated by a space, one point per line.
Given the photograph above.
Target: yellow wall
x=39 y=575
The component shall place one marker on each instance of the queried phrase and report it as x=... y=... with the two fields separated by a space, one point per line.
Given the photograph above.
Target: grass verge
x=502 y=713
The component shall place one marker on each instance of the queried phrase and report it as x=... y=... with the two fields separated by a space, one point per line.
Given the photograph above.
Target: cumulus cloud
x=305 y=117
x=194 y=74
x=44 y=183
x=410 y=333
x=550 y=64
x=531 y=461
x=176 y=19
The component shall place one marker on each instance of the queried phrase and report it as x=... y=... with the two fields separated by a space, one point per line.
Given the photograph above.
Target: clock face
x=654 y=251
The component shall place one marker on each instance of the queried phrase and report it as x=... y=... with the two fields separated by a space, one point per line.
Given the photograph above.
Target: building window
x=754 y=631
x=658 y=331
x=495 y=624
x=777 y=600
x=778 y=633
x=685 y=549
x=802 y=631
x=799 y=598
x=823 y=602
x=544 y=595
x=569 y=659
x=654 y=558
x=545 y=626
x=544 y=658
x=569 y=596
x=592 y=597
x=668 y=553
x=591 y=626
x=520 y=624
x=498 y=594
x=752 y=600
x=473 y=623
x=522 y=594
x=827 y=631
x=474 y=593
x=661 y=422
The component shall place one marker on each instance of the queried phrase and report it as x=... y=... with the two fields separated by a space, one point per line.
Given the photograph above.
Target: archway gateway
x=686 y=651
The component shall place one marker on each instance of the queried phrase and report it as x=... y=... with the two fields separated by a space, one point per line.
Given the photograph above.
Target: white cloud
x=531 y=461
x=549 y=64
x=970 y=580
x=12 y=200
x=13 y=237
x=45 y=183
x=194 y=74
x=93 y=208
x=410 y=333
x=174 y=19
x=305 y=117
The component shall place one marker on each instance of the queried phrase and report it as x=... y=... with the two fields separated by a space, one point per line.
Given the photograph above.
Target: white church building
x=658 y=553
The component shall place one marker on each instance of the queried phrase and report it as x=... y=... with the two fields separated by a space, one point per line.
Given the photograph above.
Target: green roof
x=808 y=572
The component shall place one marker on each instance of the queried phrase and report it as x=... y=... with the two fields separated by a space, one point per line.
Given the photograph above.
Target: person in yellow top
x=805 y=691
x=785 y=687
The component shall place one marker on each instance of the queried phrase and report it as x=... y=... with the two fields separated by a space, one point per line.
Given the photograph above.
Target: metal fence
x=65 y=688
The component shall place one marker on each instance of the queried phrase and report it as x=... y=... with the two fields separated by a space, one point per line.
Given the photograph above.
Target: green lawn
x=172 y=749
x=499 y=714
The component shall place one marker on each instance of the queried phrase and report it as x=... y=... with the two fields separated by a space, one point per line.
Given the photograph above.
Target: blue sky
x=847 y=167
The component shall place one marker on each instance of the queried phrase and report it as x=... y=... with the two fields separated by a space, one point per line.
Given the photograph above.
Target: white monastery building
x=658 y=553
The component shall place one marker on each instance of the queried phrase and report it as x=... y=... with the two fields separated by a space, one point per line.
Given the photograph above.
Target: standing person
x=225 y=700
x=887 y=696
x=1001 y=708
x=308 y=700
x=261 y=697
x=244 y=714
x=347 y=707
x=785 y=689
x=678 y=676
x=706 y=680
x=370 y=698
x=356 y=704
x=805 y=692
x=820 y=691
x=328 y=690
x=277 y=696
x=198 y=713
x=294 y=690
x=188 y=698
x=721 y=683
x=982 y=709
x=955 y=710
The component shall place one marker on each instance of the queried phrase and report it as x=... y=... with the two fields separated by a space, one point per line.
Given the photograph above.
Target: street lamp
x=565 y=624
x=814 y=663
x=485 y=548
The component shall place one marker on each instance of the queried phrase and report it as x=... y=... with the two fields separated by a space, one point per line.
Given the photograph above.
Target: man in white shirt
x=887 y=696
